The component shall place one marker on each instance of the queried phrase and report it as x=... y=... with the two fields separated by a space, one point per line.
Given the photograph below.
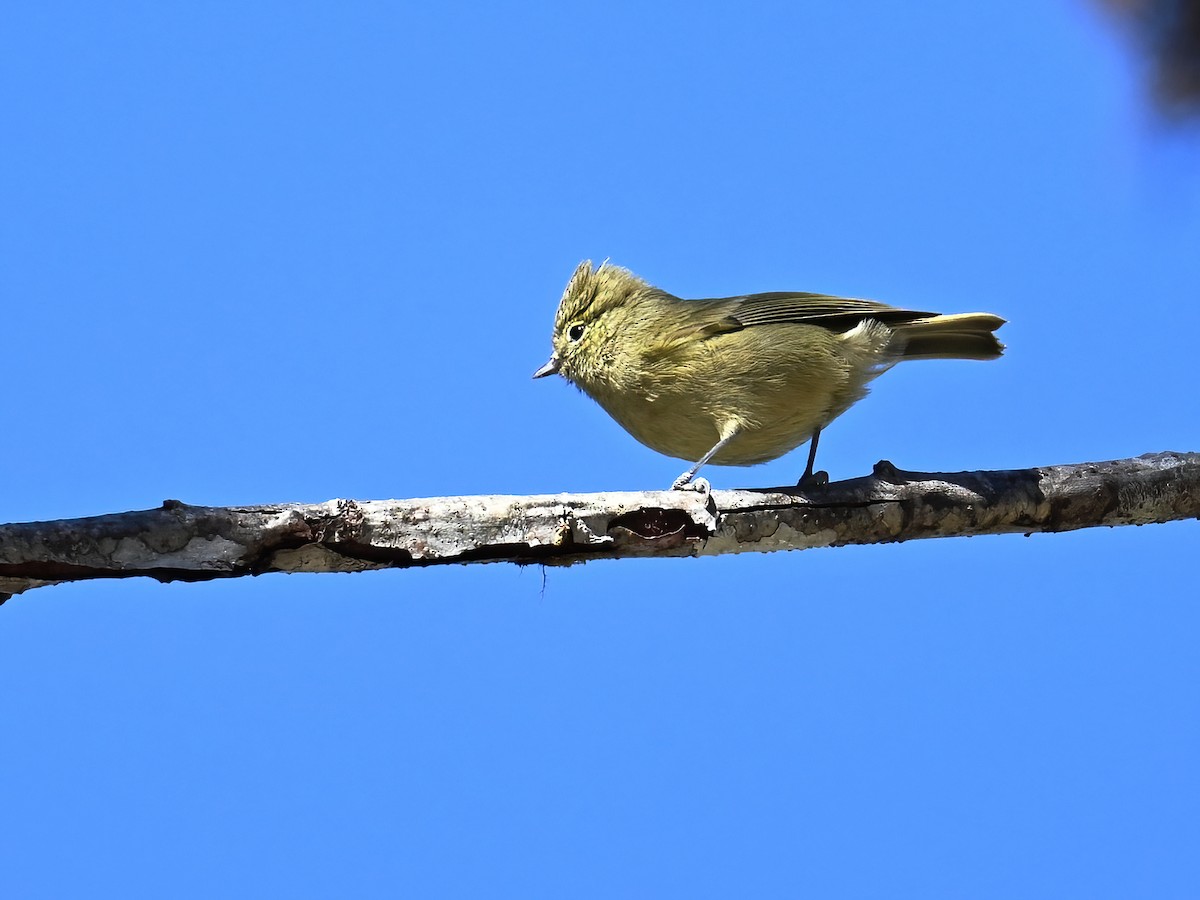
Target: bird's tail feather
x=958 y=336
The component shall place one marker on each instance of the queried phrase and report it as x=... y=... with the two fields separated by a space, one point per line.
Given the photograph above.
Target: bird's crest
x=591 y=292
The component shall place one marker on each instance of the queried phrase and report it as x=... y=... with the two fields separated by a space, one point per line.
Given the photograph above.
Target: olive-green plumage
x=739 y=380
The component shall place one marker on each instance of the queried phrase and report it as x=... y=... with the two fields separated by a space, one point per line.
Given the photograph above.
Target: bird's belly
x=687 y=429
x=671 y=427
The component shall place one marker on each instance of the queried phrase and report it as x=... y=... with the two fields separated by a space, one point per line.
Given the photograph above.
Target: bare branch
x=178 y=542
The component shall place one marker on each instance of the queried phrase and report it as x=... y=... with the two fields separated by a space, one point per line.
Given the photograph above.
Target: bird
x=738 y=380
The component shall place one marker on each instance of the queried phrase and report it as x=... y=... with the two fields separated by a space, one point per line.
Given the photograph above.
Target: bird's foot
x=688 y=482
x=814 y=480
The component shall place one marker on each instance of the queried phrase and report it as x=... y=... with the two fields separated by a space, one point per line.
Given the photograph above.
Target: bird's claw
x=688 y=482
x=814 y=480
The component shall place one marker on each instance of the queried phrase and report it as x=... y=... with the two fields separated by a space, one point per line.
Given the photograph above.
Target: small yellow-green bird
x=738 y=380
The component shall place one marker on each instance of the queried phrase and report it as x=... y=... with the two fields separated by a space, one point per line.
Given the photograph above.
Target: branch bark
x=178 y=542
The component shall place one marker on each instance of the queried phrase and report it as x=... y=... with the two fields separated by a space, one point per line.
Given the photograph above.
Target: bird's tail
x=959 y=336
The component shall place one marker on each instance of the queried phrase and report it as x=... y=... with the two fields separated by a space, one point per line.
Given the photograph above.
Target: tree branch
x=178 y=542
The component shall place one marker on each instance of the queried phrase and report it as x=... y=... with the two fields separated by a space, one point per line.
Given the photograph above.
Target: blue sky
x=266 y=252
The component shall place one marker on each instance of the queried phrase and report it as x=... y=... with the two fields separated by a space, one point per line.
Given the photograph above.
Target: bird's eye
x=576 y=332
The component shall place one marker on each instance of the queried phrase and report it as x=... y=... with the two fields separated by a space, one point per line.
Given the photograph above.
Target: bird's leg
x=684 y=481
x=808 y=479
x=812 y=455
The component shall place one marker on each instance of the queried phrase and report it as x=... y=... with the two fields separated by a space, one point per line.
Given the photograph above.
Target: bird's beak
x=550 y=368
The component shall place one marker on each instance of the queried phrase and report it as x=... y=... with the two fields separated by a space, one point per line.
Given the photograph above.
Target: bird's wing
x=826 y=310
x=710 y=318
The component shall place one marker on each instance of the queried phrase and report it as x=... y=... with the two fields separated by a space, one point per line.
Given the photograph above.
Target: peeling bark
x=179 y=542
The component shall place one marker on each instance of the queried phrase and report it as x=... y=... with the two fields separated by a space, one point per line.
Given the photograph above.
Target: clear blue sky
x=264 y=252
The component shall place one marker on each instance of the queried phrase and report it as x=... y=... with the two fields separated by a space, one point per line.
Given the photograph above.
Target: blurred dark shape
x=1169 y=32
